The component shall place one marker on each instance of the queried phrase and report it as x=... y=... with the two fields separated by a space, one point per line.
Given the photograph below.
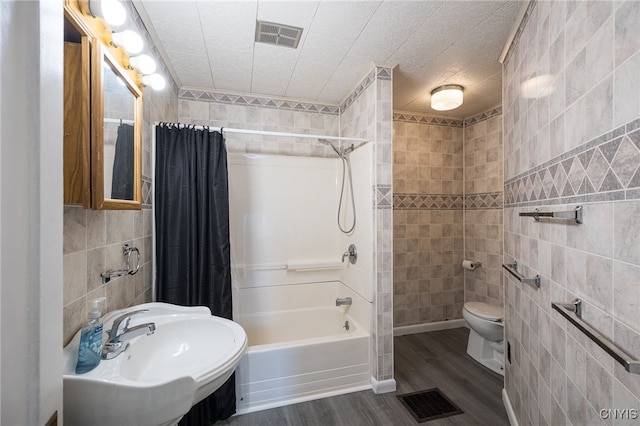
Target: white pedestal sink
x=157 y=379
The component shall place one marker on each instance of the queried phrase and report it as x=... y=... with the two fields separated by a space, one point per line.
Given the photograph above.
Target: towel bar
x=575 y=214
x=573 y=313
x=512 y=268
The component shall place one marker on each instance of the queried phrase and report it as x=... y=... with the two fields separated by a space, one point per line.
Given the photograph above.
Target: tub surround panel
x=359 y=277
x=310 y=238
x=575 y=144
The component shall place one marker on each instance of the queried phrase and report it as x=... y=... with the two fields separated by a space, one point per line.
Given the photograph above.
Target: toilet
x=486 y=337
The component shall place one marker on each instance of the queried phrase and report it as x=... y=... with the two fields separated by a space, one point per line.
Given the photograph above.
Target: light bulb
x=129 y=40
x=112 y=11
x=144 y=63
x=155 y=81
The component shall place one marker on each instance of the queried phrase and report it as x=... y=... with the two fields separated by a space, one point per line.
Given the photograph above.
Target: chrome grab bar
x=575 y=214
x=512 y=268
x=573 y=313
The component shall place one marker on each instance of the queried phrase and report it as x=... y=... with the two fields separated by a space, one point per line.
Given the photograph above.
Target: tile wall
x=448 y=207
x=428 y=200
x=93 y=239
x=258 y=113
x=483 y=196
x=576 y=142
x=367 y=113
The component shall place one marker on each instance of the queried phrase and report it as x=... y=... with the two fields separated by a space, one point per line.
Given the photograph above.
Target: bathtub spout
x=343 y=301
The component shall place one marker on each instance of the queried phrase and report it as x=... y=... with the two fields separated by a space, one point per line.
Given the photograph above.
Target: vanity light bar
x=114 y=13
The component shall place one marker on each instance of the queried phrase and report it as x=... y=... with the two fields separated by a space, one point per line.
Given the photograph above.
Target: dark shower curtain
x=192 y=237
x=122 y=176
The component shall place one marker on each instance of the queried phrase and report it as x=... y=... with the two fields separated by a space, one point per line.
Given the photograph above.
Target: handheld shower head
x=326 y=142
x=348 y=150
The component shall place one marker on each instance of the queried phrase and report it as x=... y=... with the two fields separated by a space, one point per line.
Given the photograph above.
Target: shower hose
x=346 y=164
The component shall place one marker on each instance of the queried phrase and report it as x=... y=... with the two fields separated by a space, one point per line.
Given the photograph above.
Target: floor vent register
x=429 y=405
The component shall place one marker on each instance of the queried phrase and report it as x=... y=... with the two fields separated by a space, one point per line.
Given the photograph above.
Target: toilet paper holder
x=470 y=265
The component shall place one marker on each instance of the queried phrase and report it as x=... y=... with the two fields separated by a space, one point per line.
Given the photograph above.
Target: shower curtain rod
x=268 y=133
x=118 y=120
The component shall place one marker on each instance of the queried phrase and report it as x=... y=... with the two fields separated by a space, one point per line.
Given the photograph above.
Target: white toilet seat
x=486 y=334
x=485 y=311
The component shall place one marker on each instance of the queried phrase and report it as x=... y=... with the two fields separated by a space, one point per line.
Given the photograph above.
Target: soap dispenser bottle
x=90 y=349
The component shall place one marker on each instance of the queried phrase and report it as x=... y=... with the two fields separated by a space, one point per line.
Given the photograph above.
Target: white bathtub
x=299 y=347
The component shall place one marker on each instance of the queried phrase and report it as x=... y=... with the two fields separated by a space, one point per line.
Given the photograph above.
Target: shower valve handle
x=352 y=254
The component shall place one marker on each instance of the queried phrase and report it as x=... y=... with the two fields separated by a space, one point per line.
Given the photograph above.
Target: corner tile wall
x=367 y=113
x=93 y=239
x=483 y=202
x=428 y=229
x=576 y=143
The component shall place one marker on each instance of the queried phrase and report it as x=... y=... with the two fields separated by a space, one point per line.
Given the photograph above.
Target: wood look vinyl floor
x=422 y=361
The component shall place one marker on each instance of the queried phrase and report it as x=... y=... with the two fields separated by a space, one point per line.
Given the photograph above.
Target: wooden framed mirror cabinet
x=102 y=120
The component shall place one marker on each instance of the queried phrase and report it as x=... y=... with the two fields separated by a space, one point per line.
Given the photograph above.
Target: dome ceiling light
x=447 y=97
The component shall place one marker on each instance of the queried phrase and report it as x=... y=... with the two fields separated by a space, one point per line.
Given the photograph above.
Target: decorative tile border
x=451 y=122
x=266 y=102
x=257 y=101
x=383 y=73
x=383 y=195
x=360 y=88
x=520 y=29
x=489 y=200
x=147 y=193
x=424 y=119
x=428 y=202
x=603 y=169
x=493 y=112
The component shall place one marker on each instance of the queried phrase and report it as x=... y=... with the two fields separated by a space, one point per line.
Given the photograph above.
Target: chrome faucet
x=351 y=254
x=120 y=334
x=343 y=301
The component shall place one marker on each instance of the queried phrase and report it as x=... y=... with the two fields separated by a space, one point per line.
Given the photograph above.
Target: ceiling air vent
x=278 y=34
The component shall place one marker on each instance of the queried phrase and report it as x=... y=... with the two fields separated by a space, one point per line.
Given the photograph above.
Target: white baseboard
x=430 y=326
x=384 y=386
x=507 y=406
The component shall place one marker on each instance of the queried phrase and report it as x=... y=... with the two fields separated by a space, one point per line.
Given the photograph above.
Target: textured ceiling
x=210 y=46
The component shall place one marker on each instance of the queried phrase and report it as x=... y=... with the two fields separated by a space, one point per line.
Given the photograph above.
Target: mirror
x=116 y=135
x=119 y=115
